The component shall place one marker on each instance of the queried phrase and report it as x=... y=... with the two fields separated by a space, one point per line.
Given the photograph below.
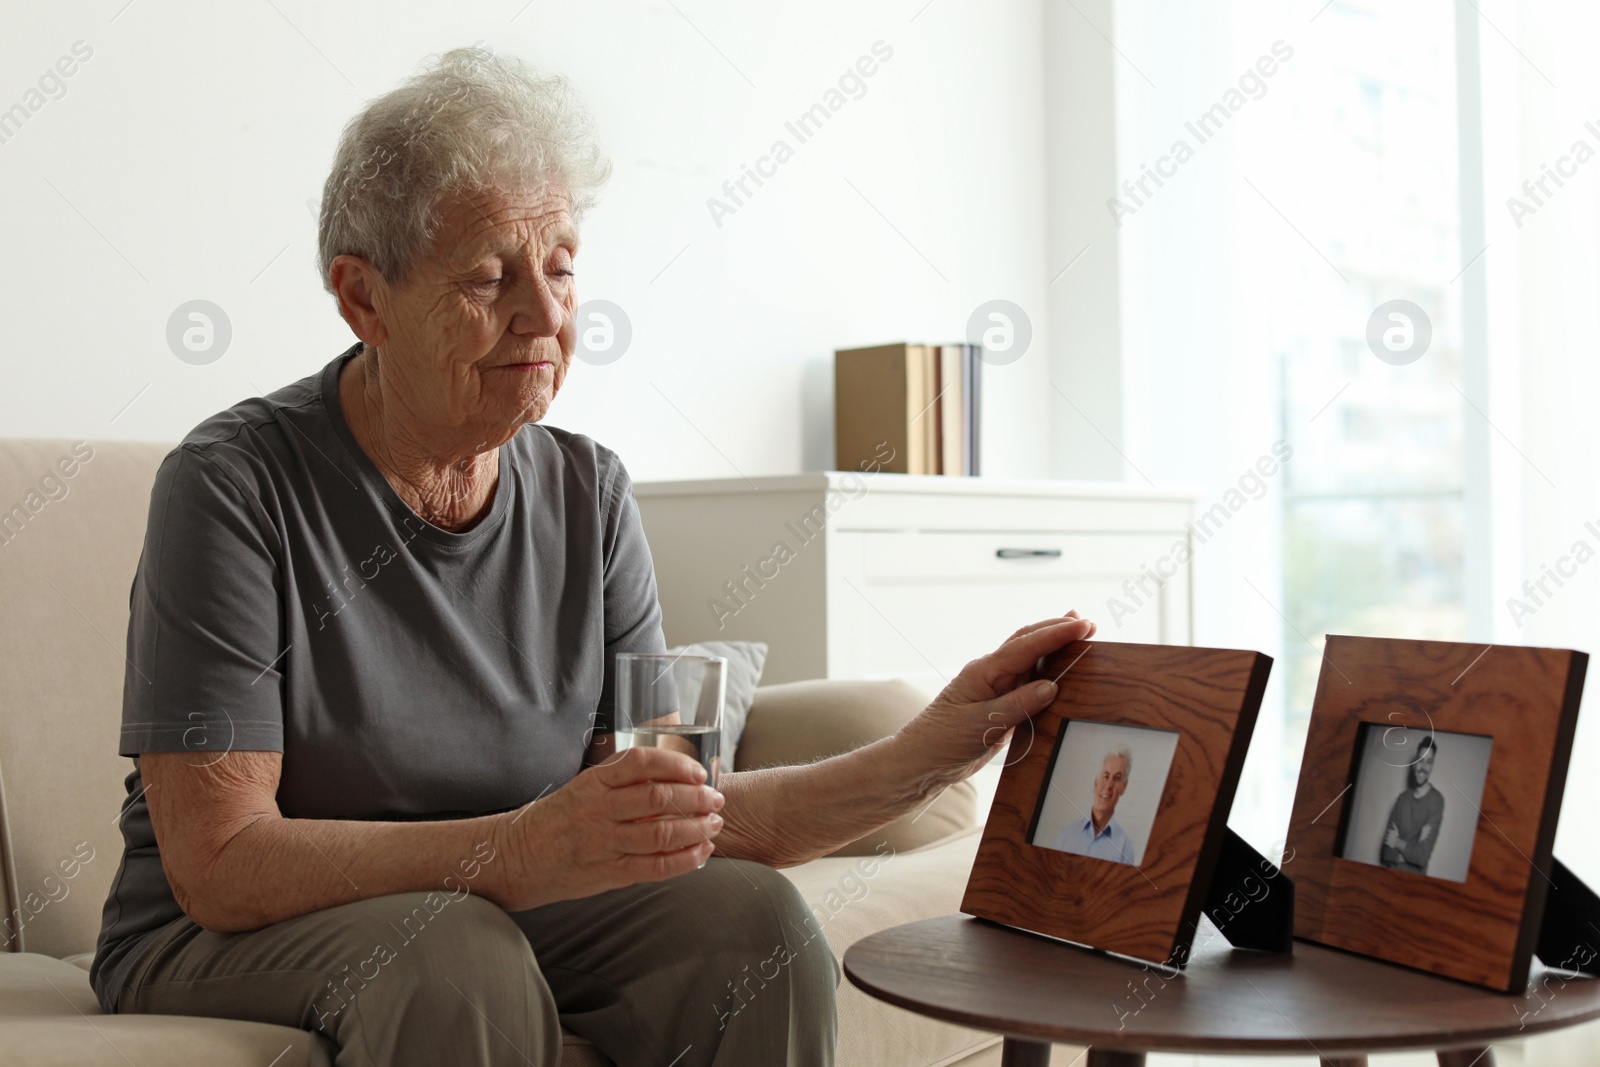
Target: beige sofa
x=70 y=535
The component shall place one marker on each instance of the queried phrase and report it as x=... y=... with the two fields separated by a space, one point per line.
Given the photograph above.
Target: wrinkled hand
x=1392 y=838
x=642 y=816
x=972 y=719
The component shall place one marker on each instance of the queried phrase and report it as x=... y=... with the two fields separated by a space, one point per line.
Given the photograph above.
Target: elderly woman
x=370 y=660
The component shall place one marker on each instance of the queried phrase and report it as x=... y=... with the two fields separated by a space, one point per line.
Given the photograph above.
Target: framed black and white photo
x=1425 y=815
x=1415 y=801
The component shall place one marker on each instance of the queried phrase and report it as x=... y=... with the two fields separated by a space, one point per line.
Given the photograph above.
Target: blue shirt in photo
x=1112 y=843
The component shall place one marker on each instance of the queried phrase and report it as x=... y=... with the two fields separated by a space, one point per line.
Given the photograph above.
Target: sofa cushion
x=801 y=722
x=49 y=1017
x=67 y=559
x=745 y=660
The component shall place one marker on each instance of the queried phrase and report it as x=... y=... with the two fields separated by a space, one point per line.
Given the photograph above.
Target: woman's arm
x=789 y=815
x=236 y=863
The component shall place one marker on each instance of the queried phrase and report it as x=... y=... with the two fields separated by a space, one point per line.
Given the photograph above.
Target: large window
x=1373 y=524
x=1330 y=189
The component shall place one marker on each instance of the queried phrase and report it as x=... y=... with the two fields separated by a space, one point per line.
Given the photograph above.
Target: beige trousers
x=722 y=966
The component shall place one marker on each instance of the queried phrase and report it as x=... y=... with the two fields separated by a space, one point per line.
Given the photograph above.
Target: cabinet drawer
x=920 y=604
x=916 y=556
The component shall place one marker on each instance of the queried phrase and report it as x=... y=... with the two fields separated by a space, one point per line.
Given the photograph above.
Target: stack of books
x=907 y=408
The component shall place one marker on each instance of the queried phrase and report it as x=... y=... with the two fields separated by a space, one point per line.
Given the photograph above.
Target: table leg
x=1106 y=1057
x=1467 y=1057
x=1016 y=1052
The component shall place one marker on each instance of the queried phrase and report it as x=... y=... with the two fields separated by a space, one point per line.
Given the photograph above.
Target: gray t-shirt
x=1409 y=816
x=288 y=600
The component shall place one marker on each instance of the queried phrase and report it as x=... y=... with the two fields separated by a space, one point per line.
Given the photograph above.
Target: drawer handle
x=1028 y=553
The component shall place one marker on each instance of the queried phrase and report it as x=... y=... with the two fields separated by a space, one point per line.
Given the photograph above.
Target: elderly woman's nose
x=541 y=313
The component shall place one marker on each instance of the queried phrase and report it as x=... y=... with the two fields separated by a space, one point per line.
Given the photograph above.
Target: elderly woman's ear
x=354 y=282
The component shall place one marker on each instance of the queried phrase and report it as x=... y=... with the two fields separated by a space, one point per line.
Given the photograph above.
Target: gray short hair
x=1121 y=752
x=469 y=122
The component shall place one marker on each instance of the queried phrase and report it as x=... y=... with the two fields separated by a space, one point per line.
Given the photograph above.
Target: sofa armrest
x=802 y=722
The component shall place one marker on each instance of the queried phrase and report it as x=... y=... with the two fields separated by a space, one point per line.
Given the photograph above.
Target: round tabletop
x=1319 y=1001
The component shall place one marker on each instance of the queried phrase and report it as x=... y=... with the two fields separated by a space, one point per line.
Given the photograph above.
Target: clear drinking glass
x=672 y=702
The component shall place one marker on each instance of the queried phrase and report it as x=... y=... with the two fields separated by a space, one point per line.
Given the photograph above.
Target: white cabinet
x=892 y=575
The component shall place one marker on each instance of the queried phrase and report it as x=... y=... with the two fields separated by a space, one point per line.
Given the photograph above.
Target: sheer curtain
x=1541 y=94
x=1355 y=154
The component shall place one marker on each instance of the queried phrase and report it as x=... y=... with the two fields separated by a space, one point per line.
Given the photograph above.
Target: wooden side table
x=1317 y=1002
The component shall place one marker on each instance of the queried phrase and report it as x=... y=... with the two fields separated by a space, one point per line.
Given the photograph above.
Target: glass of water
x=672 y=702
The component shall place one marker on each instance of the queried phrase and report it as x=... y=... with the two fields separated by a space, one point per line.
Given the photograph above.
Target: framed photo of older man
x=1426 y=809
x=1111 y=813
x=1103 y=790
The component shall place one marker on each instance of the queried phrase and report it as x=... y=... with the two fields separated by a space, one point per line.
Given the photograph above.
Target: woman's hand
x=972 y=719
x=642 y=816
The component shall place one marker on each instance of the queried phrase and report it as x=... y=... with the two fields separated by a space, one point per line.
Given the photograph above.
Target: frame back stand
x=1570 y=929
x=1251 y=900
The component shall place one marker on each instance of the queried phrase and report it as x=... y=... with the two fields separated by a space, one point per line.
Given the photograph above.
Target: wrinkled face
x=480 y=333
x=1422 y=769
x=1109 y=785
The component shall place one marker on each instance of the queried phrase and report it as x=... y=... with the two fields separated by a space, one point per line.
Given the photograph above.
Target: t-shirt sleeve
x=205 y=646
x=632 y=611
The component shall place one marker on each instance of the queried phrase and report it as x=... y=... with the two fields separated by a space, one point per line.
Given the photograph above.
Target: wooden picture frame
x=1209 y=698
x=1482 y=929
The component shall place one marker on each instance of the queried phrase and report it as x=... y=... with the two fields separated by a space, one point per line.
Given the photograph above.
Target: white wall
x=1084 y=98
x=179 y=162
